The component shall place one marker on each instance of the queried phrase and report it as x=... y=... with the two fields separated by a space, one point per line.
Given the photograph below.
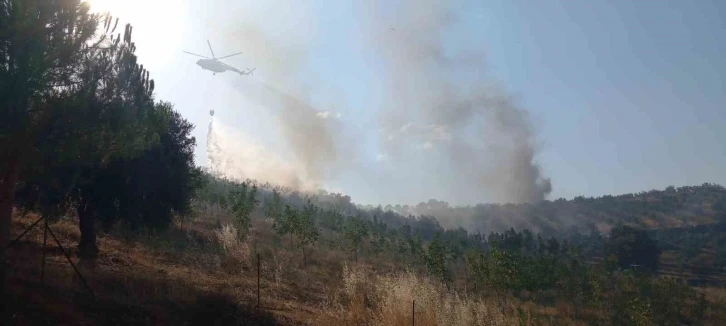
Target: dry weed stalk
x=371 y=299
x=232 y=245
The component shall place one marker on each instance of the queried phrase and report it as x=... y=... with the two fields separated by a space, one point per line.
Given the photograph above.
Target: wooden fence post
x=258 y=282
x=413 y=313
x=45 y=241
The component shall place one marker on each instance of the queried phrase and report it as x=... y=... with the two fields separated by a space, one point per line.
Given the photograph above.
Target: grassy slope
x=182 y=277
x=147 y=281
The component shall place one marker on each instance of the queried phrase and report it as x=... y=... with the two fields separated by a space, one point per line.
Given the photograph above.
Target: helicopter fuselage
x=212 y=65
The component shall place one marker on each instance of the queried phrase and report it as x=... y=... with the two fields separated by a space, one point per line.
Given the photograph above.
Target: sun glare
x=158 y=25
x=137 y=11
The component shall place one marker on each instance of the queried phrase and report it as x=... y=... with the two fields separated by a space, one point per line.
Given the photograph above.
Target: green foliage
x=243 y=201
x=633 y=248
x=153 y=187
x=305 y=228
x=639 y=299
x=378 y=243
x=477 y=267
x=435 y=258
x=37 y=55
x=355 y=232
x=286 y=224
x=212 y=197
x=332 y=220
x=273 y=207
x=91 y=105
x=627 y=297
x=82 y=120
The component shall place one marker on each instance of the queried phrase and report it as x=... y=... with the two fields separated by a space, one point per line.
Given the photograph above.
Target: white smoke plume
x=309 y=135
x=239 y=157
x=439 y=101
x=281 y=88
x=443 y=121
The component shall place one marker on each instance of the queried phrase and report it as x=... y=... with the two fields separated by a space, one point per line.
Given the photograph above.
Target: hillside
x=686 y=221
x=654 y=209
x=106 y=217
x=671 y=208
x=195 y=276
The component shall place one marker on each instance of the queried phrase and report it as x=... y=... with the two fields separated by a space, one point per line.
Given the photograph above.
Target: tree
x=332 y=220
x=355 y=232
x=414 y=246
x=435 y=257
x=305 y=229
x=242 y=202
x=157 y=185
x=99 y=114
x=477 y=266
x=633 y=248
x=377 y=242
x=287 y=223
x=540 y=245
x=553 y=246
x=528 y=241
x=273 y=207
x=146 y=190
x=42 y=43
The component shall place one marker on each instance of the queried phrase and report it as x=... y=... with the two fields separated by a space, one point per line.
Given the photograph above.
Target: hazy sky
x=624 y=96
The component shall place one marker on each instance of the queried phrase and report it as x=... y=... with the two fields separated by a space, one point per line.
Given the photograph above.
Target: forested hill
x=654 y=209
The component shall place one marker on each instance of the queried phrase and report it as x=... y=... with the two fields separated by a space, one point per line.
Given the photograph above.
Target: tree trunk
x=304 y=259
x=87 y=248
x=291 y=245
x=7 y=202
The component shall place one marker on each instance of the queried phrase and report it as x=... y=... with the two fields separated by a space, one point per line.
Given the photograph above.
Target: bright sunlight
x=158 y=24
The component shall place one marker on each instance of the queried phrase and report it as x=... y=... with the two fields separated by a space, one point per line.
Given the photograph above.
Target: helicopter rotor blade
x=196 y=55
x=210 y=49
x=230 y=67
x=231 y=55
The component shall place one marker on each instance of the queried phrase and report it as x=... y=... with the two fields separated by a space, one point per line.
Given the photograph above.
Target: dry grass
x=149 y=280
x=369 y=299
x=717 y=296
x=205 y=275
x=236 y=252
x=166 y=278
x=435 y=305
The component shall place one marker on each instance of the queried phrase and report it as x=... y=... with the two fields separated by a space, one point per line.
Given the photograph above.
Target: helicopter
x=213 y=64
